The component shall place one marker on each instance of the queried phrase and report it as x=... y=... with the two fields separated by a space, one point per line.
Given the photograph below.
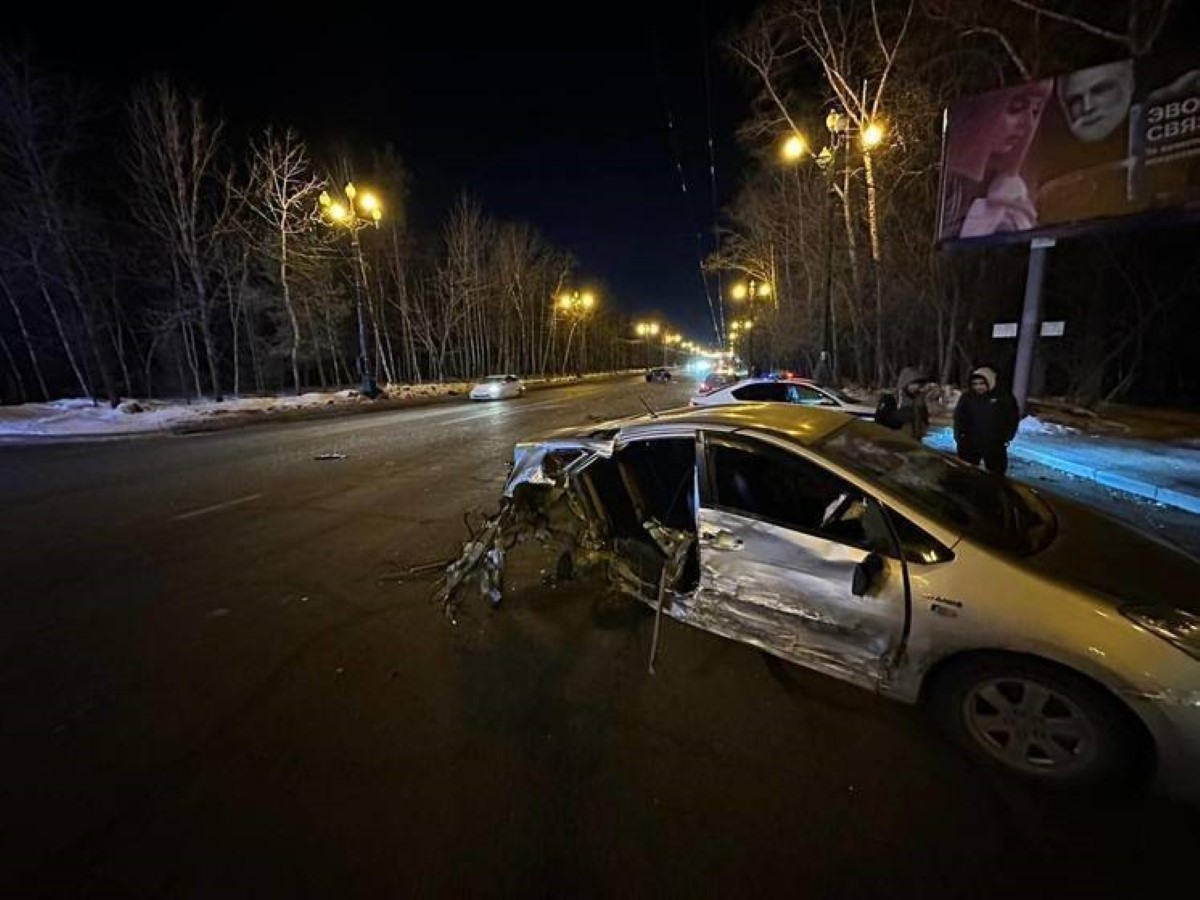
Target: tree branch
x=1122 y=39
x=1022 y=66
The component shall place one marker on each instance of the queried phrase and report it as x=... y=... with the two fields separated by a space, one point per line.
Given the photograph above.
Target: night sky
x=557 y=116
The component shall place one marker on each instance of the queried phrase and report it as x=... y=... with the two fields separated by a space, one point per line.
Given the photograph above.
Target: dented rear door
x=779 y=540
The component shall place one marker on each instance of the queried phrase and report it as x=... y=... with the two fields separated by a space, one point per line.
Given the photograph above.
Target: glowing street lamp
x=795 y=147
x=646 y=330
x=575 y=305
x=360 y=209
x=872 y=136
x=749 y=291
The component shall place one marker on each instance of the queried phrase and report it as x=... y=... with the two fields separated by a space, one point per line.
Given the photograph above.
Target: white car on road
x=498 y=387
x=784 y=390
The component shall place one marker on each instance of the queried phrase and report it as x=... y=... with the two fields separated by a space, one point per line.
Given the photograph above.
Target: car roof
x=804 y=425
x=766 y=380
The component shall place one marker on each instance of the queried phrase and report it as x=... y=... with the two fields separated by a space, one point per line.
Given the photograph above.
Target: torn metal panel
x=791 y=593
x=539 y=506
x=751 y=624
x=550 y=463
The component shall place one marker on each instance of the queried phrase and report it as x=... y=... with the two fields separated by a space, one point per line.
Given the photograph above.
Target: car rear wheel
x=1036 y=720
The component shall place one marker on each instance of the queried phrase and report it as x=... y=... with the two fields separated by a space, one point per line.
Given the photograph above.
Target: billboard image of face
x=984 y=191
x=1096 y=101
x=1085 y=150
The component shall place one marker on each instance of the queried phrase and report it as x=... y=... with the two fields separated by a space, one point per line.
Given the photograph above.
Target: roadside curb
x=1167 y=496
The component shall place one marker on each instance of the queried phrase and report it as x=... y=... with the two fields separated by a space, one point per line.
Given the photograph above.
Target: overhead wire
x=677 y=156
x=719 y=312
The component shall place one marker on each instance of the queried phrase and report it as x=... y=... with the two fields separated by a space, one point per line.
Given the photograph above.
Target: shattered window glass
x=993 y=510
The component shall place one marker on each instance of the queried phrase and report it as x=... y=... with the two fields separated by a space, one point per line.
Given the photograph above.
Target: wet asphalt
x=219 y=677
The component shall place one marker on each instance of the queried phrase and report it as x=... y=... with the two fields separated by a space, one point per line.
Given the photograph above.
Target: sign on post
x=1053 y=329
x=1004 y=330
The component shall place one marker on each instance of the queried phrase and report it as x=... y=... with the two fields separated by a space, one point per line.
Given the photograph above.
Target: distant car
x=498 y=387
x=784 y=390
x=658 y=374
x=1047 y=639
x=715 y=380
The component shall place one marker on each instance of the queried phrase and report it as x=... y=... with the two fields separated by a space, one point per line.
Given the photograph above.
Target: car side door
x=796 y=560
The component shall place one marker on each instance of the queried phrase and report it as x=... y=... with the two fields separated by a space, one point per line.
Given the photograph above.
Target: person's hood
x=910 y=375
x=987 y=374
x=1098 y=552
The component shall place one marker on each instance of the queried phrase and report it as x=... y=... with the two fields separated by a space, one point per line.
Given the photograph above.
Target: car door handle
x=721 y=539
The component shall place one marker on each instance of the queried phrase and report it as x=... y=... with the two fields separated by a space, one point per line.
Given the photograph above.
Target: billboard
x=1110 y=145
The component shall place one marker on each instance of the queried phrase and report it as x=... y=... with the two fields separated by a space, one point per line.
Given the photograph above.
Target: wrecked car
x=1046 y=639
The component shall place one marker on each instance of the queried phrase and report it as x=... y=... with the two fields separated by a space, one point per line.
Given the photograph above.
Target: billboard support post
x=1031 y=315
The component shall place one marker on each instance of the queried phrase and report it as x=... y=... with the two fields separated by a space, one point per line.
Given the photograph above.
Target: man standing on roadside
x=985 y=421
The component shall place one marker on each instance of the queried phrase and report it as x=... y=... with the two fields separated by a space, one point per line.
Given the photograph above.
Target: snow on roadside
x=80 y=417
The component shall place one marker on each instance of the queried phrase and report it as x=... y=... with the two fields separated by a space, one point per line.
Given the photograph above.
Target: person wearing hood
x=985 y=421
x=913 y=411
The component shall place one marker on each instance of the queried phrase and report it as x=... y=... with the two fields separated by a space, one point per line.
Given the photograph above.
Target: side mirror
x=865 y=574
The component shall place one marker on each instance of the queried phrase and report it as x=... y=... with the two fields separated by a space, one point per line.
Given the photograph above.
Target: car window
x=495 y=379
x=763 y=391
x=917 y=544
x=843 y=397
x=808 y=396
x=994 y=511
x=766 y=483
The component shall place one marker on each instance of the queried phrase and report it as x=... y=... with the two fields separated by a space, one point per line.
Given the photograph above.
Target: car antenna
x=649 y=408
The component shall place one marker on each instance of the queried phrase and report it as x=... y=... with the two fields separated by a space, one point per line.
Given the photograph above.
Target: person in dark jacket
x=985 y=421
x=913 y=407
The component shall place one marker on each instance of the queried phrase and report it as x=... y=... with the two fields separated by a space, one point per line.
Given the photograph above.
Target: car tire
x=1038 y=721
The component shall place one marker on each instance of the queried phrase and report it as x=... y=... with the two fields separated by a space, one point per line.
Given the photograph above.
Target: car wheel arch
x=956 y=665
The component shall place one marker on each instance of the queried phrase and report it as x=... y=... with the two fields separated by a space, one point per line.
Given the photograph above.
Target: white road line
x=203 y=511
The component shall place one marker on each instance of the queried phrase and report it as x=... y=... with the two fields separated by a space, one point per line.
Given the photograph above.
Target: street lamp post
x=577 y=306
x=750 y=291
x=646 y=330
x=361 y=208
x=671 y=340
x=795 y=149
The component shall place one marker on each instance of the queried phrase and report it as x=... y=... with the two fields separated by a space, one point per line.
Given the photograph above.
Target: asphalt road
x=217 y=681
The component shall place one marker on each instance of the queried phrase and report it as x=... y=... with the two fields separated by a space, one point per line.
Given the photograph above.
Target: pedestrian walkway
x=1167 y=472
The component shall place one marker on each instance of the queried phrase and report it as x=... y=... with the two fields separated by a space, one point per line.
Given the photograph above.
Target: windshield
x=843 y=396
x=989 y=509
x=496 y=379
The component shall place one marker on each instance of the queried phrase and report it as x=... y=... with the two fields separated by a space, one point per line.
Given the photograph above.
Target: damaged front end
x=628 y=513
x=558 y=501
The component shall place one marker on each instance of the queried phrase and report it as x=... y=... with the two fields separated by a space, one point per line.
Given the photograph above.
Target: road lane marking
x=205 y=510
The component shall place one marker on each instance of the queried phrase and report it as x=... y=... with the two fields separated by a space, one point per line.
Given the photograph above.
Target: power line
x=677 y=156
x=719 y=313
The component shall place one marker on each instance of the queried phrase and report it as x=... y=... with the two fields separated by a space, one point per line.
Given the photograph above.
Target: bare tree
x=1038 y=36
x=30 y=350
x=283 y=191
x=172 y=160
x=40 y=122
x=856 y=47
